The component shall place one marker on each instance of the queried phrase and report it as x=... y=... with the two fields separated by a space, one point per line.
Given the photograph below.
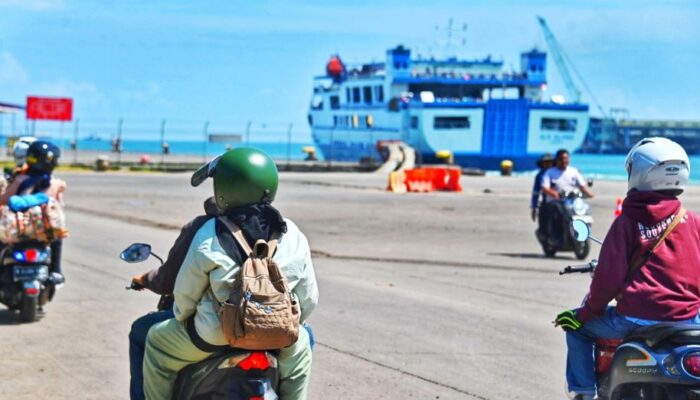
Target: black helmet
x=42 y=156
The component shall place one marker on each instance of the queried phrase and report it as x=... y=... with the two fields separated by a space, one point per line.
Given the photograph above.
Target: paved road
x=422 y=296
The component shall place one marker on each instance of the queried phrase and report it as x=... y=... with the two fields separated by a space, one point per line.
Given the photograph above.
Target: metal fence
x=161 y=140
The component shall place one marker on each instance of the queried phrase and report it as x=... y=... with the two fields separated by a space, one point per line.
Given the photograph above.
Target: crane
x=557 y=54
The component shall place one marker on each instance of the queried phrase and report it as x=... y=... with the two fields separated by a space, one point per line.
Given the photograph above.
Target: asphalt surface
x=423 y=296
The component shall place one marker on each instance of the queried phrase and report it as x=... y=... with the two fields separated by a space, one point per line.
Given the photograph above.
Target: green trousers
x=169 y=349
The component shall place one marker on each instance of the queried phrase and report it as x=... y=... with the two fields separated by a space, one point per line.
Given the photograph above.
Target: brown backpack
x=260 y=313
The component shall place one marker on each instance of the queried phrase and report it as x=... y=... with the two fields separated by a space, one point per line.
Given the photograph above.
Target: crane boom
x=574 y=92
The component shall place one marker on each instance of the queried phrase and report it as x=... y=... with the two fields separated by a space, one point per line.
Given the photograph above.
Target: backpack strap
x=644 y=256
x=238 y=235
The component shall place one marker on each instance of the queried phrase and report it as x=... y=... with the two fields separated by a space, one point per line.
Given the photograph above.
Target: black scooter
x=554 y=233
x=660 y=362
x=233 y=374
x=25 y=282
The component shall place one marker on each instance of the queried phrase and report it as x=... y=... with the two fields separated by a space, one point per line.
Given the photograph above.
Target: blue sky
x=232 y=61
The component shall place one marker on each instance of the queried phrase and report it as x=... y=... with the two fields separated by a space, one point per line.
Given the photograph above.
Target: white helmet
x=19 y=151
x=657 y=163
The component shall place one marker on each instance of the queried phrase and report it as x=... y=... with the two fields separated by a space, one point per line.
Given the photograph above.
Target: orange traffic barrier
x=425 y=180
x=618 y=207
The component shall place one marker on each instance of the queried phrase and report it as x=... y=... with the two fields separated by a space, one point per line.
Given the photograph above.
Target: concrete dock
x=423 y=296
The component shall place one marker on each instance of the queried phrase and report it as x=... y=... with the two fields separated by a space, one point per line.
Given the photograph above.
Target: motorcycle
x=25 y=282
x=555 y=235
x=660 y=361
x=232 y=374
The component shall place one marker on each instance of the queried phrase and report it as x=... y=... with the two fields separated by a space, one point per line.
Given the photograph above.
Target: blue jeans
x=137 y=345
x=580 y=359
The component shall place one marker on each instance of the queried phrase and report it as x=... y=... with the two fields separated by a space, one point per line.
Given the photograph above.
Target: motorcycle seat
x=674 y=333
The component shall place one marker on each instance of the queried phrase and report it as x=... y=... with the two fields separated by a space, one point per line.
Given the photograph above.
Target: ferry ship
x=474 y=109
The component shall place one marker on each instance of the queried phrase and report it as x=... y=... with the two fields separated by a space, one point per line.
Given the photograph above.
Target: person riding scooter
x=161 y=280
x=536 y=201
x=245 y=185
x=649 y=261
x=562 y=178
x=41 y=159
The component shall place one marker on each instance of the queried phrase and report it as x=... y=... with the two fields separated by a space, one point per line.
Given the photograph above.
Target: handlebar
x=134 y=286
x=577 y=268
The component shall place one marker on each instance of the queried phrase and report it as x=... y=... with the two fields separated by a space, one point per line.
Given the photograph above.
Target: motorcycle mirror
x=582 y=230
x=137 y=252
x=590 y=182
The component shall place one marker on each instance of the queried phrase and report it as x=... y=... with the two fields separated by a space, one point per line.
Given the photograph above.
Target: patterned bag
x=44 y=223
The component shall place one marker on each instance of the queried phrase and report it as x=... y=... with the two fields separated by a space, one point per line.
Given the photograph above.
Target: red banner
x=51 y=108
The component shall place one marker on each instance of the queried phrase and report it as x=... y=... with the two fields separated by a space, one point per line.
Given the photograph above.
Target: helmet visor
x=205 y=171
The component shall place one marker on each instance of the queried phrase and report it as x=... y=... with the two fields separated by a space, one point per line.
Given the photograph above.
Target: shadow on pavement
x=532 y=255
x=8 y=317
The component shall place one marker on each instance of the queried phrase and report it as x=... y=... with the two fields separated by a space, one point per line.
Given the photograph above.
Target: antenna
x=450 y=32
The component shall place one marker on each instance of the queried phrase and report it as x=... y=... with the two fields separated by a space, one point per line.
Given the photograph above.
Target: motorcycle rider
x=664 y=287
x=245 y=184
x=544 y=163
x=562 y=178
x=41 y=159
x=161 y=280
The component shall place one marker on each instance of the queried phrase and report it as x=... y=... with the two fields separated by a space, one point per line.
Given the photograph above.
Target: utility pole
x=75 y=141
x=247 y=133
x=162 y=142
x=289 y=145
x=118 y=144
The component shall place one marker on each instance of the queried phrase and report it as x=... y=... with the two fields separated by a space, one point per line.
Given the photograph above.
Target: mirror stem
x=158 y=257
x=590 y=237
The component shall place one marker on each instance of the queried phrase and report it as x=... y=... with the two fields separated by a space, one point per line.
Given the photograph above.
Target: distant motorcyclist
x=651 y=285
x=41 y=159
x=19 y=153
x=544 y=163
x=562 y=178
x=245 y=184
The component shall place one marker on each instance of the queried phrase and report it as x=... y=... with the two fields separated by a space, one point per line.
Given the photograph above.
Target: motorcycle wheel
x=28 y=309
x=581 y=250
x=549 y=251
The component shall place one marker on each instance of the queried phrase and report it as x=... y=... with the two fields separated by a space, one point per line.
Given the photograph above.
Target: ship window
x=356 y=95
x=335 y=102
x=335 y=120
x=347 y=95
x=414 y=122
x=310 y=118
x=558 y=124
x=367 y=94
x=317 y=103
x=451 y=122
x=380 y=94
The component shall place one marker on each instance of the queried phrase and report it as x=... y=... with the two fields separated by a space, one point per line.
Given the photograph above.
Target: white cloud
x=32 y=4
x=11 y=70
x=83 y=92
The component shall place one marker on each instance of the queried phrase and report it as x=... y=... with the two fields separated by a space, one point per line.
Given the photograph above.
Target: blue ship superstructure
x=473 y=108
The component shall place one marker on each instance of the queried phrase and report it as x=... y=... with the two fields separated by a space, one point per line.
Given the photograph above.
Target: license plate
x=21 y=273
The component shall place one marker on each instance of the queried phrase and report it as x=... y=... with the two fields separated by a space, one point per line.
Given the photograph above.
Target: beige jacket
x=207 y=265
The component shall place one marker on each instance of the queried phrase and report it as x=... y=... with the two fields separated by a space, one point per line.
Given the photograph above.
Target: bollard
x=445 y=156
x=310 y=152
x=102 y=163
x=506 y=168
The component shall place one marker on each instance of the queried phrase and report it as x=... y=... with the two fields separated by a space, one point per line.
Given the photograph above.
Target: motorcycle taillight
x=256 y=360
x=691 y=363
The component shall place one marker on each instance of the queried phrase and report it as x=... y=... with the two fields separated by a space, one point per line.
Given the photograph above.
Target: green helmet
x=242 y=176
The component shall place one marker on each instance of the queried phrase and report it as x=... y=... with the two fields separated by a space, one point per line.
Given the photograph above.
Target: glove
x=533 y=214
x=568 y=321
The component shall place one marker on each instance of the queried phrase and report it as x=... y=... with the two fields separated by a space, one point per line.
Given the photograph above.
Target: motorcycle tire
x=581 y=250
x=548 y=250
x=28 y=309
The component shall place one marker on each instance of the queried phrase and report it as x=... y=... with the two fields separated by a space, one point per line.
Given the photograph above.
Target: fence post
x=118 y=142
x=247 y=133
x=162 y=142
x=205 y=133
x=76 y=128
x=289 y=145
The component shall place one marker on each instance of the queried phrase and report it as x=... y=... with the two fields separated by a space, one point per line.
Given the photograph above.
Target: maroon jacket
x=667 y=285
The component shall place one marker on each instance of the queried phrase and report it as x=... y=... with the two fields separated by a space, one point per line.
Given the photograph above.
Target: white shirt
x=566 y=181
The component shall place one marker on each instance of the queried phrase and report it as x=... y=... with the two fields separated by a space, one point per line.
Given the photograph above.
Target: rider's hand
x=567 y=321
x=138 y=282
x=533 y=214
